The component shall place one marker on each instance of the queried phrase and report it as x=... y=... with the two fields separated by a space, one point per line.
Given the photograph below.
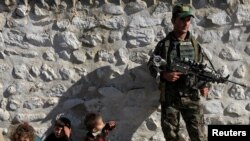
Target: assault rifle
x=186 y=66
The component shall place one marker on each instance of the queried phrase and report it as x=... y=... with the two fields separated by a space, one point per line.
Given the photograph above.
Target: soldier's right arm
x=157 y=51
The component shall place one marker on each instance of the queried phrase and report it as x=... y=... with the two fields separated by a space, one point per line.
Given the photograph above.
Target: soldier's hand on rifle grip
x=171 y=76
x=204 y=91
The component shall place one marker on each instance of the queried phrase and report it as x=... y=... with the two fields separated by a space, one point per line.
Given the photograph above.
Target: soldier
x=177 y=95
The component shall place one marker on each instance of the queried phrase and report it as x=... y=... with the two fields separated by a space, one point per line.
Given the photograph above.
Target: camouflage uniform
x=177 y=98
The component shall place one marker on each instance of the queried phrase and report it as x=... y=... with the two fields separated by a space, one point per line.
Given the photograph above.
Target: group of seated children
x=97 y=130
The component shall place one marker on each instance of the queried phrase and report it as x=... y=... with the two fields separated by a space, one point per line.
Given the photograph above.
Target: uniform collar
x=187 y=38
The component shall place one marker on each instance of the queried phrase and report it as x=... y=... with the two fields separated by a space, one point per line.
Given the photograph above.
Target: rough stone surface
x=213 y=107
x=22 y=10
x=219 y=18
x=86 y=23
x=235 y=109
x=210 y=35
x=49 y=55
x=40 y=11
x=11 y=90
x=38 y=39
x=4 y=115
x=29 y=117
x=79 y=56
x=151 y=124
x=217 y=90
x=66 y=73
x=140 y=37
x=234 y=34
x=134 y=7
x=64 y=55
x=30 y=54
x=51 y=102
x=91 y=39
x=33 y=103
x=63 y=24
x=241 y=13
x=104 y=55
x=13 y=37
x=2 y=21
x=48 y=73
x=162 y=8
x=35 y=71
x=59 y=60
x=1 y=88
x=143 y=21
x=122 y=56
x=116 y=22
x=240 y=71
x=237 y=92
x=160 y=35
x=248 y=107
x=247 y=49
x=229 y=54
x=21 y=71
x=112 y=9
x=67 y=40
x=56 y=91
x=115 y=36
x=14 y=104
x=138 y=57
x=223 y=70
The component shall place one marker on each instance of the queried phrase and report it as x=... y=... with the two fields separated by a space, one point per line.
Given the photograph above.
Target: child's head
x=94 y=122
x=59 y=126
x=23 y=132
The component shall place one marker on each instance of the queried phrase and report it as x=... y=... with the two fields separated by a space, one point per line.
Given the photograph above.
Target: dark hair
x=91 y=119
x=63 y=121
x=23 y=129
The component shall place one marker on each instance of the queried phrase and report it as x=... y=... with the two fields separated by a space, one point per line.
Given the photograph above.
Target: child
x=1 y=135
x=24 y=132
x=98 y=131
x=62 y=130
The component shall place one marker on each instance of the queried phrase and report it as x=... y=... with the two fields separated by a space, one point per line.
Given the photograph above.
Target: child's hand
x=112 y=124
x=67 y=131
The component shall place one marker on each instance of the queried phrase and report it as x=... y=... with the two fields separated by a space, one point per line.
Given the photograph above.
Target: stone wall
x=62 y=57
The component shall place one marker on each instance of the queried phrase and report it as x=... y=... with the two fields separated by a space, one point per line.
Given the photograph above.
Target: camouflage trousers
x=192 y=114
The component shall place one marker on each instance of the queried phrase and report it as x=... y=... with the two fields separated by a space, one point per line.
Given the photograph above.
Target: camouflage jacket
x=171 y=47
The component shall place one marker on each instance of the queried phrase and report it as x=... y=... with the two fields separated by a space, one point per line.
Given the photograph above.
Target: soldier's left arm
x=157 y=51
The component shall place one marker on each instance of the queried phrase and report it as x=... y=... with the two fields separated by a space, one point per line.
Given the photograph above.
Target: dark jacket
x=102 y=136
x=52 y=137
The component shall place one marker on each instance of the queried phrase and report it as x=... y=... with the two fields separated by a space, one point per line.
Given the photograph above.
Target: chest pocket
x=182 y=50
x=187 y=50
x=174 y=53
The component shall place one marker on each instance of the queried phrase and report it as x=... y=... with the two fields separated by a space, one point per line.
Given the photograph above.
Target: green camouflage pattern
x=175 y=103
x=192 y=113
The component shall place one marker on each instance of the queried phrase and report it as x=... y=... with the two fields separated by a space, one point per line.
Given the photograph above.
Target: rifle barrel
x=243 y=85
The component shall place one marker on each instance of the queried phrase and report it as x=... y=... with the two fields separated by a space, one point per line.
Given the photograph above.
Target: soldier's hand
x=204 y=91
x=171 y=76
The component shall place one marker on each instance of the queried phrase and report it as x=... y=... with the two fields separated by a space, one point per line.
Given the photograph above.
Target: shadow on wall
x=129 y=98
